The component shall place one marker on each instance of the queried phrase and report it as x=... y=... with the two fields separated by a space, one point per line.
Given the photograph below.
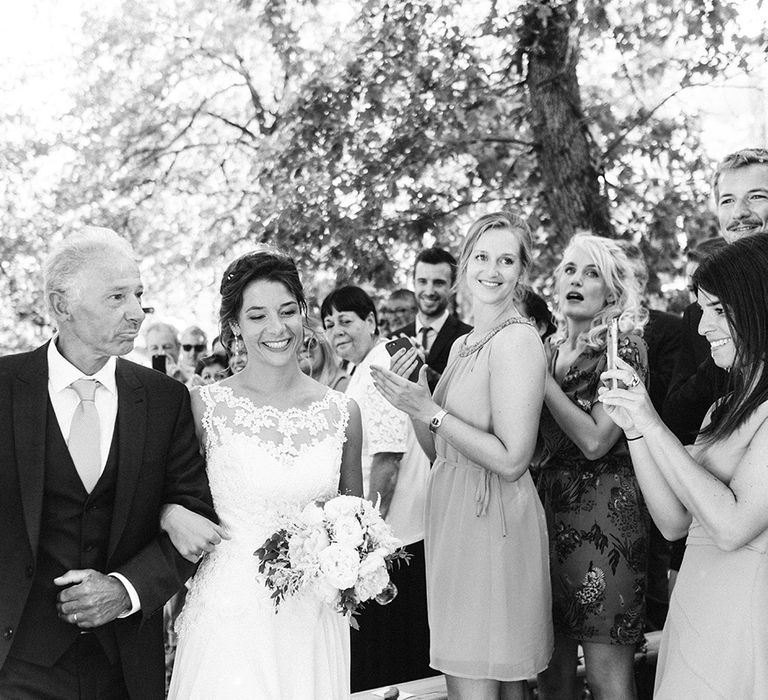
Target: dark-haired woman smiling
x=715 y=642
x=275 y=440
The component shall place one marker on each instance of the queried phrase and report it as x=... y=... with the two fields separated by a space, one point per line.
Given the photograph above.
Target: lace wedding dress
x=232 y=644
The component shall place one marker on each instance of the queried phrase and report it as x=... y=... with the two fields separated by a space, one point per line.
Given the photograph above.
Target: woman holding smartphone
x=598 y=527
x=488 y=587
x=715 y=641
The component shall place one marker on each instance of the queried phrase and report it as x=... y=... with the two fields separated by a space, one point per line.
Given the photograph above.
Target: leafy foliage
x=351 y=134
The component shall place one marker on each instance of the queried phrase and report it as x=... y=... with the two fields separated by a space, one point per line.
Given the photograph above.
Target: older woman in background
x=487 y=569
x=392 y=643
x=597 y=521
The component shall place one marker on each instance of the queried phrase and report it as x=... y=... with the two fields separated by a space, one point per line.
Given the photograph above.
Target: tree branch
x=244 y=130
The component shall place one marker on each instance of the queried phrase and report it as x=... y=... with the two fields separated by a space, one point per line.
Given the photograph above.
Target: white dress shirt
x=434 y=328
x=64 y=399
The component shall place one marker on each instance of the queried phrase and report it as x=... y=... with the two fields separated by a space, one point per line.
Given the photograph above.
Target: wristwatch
x=437 y=420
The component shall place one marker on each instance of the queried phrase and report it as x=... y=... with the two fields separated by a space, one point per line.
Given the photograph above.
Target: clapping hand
x=413 y=398
x=192 y=534
x=630 y=406
x=405 y=361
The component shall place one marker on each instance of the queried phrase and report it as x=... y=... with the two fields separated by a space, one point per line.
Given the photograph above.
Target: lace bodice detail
x=264 y=461
x=263 y=464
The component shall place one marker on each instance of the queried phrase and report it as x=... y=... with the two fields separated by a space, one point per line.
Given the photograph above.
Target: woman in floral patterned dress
x=598 y=526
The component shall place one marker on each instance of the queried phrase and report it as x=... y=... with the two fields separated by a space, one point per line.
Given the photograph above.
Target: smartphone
x=612 y=347
x=403 y=343
x=158 y=363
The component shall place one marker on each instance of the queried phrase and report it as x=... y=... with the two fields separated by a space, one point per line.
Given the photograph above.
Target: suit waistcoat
x=74 y=534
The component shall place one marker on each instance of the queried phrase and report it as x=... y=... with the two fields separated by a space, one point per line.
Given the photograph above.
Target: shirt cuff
x=135 y=602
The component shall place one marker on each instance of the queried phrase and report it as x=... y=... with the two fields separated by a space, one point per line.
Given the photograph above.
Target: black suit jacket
x=158 y=462
x=696 y=382
x=441 y=347
x=664 y=336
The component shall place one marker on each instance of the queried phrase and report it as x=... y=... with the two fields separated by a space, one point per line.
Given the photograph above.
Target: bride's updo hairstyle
x=506 y=221
x=268 y=265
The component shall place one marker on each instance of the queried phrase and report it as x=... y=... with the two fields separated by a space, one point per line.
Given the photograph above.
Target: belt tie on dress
x=489 y=483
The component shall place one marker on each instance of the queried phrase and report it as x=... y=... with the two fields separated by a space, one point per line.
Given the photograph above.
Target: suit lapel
x=444 y=338
x=408 y=331
x=131 y=427
x=30 y=408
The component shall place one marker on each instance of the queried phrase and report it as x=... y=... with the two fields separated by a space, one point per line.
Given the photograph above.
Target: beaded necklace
x=466 y=350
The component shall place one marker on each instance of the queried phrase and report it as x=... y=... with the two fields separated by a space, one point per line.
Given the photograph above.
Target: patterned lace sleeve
x=342 y=404
x=385 y=427
x=206 y=419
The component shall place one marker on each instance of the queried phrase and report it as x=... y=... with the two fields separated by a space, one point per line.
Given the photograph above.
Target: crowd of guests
x=514 y=484
x=549 y=469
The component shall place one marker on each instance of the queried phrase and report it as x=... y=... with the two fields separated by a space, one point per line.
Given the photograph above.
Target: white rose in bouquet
x=372 y=577
x=339 y=565
x=342 y=505
x=304 y=547
x=347 y=531
x=370 y=513
x=382 y=537
x=312 y=515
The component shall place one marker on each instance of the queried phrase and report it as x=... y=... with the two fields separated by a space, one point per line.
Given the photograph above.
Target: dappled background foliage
x=351 y=134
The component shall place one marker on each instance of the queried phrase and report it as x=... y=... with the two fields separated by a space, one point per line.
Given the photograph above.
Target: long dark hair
x=738 y=276
x=267 y=265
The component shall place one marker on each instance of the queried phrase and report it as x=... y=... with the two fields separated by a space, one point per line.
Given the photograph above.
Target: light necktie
x=425 y=338
x=85 y=434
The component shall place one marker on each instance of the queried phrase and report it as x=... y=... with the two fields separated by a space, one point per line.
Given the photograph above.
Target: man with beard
x=434 y=328
x=741 y=197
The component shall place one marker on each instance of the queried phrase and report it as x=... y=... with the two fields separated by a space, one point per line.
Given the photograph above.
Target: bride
x=274 y=439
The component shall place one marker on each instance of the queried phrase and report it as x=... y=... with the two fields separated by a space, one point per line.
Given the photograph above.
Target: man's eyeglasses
x=309 y=343
x=197 y=348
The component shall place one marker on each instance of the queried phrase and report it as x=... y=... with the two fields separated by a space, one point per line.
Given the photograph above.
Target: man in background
x=741 y=197
x=193 y=346
x=402 y=308
x=435 y=328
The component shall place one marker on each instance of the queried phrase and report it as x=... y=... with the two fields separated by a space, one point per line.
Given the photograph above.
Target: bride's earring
x=239 y=343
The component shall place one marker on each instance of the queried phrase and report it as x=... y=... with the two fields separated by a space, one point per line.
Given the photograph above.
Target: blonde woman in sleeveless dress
x=488 y=585
x=715 y=640
x=275 y=439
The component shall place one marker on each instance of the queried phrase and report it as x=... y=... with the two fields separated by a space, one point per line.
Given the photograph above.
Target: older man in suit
x=91 y=447
x=434 y=328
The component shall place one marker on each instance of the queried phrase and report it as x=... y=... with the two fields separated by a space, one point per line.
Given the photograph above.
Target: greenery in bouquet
x=339 y=551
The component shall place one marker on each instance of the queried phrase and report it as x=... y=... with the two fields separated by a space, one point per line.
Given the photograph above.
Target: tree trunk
x=565 y=153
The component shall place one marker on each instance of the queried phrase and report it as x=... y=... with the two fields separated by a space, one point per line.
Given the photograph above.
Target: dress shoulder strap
x=467 y=349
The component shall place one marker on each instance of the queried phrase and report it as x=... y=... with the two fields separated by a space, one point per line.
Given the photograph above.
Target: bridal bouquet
x=340 y=552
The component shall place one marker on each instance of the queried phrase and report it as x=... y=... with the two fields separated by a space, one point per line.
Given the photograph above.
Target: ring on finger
x=634 y=381
x=74 y=617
